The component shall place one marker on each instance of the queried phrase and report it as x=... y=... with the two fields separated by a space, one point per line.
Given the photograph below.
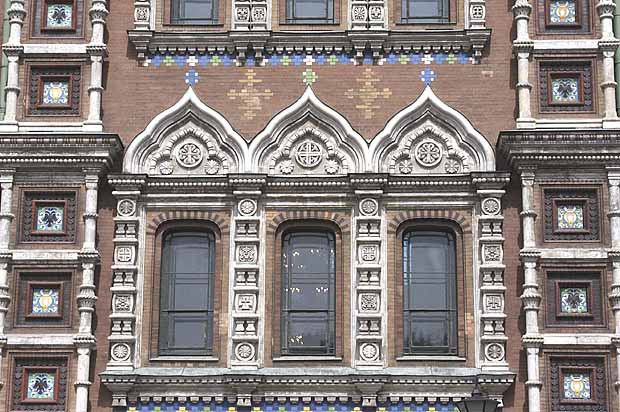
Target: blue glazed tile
x=462 y=58
x=59 y=15
x=204 y=60
x=274 y=60
x=415 y=58
x=250 y=61
x=45 y=301
x=391 y=58
x=227 y=60
x=320 y=59
x=180 y=60
x=439 y=58
x=157 y=60
x=343 y=58
x=40 y=386
x=297 y=60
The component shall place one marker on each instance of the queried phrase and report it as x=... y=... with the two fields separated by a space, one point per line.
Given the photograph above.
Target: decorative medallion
x=212 y=167
x=577 y=386
x=55 y=93
x=124 y=254
x=452 y=166
x=120 y=352
x=574 y=300
x=45 y=301
x=331 y=167
x=126 y=207
x=247 y=207
x=308 y=154
x=405 y=167
x=562 y=12
x=369 y=207
x=368 y=253
x=369 y=302
x=166 y=167
x=494 y=352
x=189 y=155
x=369 y=351
x=428 y=153
x=492 y=253
x=59 y=16
x=244 y=352
x=246 y=254
x=570 y=217
x=50 y=218
x=123 y=303
x=491 y=206
x=287 y=167
x=246 y=303
x=41 y=385
x=565 y=89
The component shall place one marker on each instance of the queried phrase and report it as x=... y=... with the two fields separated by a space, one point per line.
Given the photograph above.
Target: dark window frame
x=291 y=18
x=285 y=311
x=452 y=307
x=407 y=16
x=167 y=289
x=176 y=17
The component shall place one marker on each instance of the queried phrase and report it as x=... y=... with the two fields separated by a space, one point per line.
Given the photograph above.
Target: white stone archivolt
x=189 y=138
x=308 y=138
x=428 y=136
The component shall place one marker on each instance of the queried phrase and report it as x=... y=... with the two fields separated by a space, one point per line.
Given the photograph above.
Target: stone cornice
x=65 y=151
x=471 y=40
x=560 y=147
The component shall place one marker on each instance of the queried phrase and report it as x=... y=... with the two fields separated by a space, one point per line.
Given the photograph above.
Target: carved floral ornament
x=309 y=138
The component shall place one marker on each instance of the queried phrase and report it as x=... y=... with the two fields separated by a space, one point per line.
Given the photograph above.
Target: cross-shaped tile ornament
x=191 y=77
x=427 y=59
x=309 y=77
x=427 y=76
x=308 y=60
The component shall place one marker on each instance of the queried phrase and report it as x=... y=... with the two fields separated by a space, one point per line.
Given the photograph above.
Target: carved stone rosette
x=142 y=14
x=368 y=310
x=477 y=14
x=250 y=15
x=245 y=311
x=124 y=274
x=491 y=242
x=367 y=15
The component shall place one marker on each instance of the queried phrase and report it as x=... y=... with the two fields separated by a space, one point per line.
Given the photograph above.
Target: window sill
x=182 y=358
x=302 y=358
x=440 y=358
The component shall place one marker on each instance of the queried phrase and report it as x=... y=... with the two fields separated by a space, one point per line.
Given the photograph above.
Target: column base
x=93 y=126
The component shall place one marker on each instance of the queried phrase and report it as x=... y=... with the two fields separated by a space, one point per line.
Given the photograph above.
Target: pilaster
x=369 y=309
x=97 y=51
x=6 y=218
x=13 y=50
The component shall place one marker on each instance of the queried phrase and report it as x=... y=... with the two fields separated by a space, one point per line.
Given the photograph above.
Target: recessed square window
x=45 y=299
x=565 y=88
x=574 y=299
x=571 y=215
x=59 y=15
x=562 y=13
x=40 y=385
x=50 y=217
x=577 y=383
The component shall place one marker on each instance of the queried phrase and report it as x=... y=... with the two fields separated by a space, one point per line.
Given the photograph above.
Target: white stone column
x=613 y=182
x=369 y=309
x=6 y=218
x=608 y=45
x=90 y=212
x=13 y=49
x=530 y=297
x=97 y=51
x=523 y=46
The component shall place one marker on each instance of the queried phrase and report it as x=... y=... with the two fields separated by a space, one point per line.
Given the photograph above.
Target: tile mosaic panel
x=40 y=385
x=565 y=90
x=55 y=93
x=577 y=386
x=570 y=217
x=45 y=300
x=574 y=300
x=562 y=12
x=50 y=218
x=59 y=16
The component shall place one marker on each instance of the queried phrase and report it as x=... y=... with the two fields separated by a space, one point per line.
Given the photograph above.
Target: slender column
x=369 y=309
x=532 y=340
x=613 y=182
x=608 y=45
x=13 y=49
x=6 y=218
x=493 y=338
x=97 y=50
x=90 y=213
x=246 y=326
x=522 y=47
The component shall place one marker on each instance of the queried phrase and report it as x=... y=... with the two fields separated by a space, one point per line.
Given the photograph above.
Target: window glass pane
x=190 y=293
x=308 y=331
x=425 y=10
x=311 y=9
x=310 y=293
x=187 y=330
x=198 y=9
x=431 y=330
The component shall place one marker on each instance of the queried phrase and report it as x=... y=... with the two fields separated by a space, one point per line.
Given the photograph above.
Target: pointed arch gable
x=428 y=136
x=187 y=138
x=305 y=126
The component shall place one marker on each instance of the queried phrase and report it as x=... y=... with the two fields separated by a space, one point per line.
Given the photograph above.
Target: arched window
x=429 y=292
x=187 y=291
x=308 y=318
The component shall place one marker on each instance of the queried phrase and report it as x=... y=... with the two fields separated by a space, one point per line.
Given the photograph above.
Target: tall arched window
x=429 y=292
x=308 y=293
x=187 y=291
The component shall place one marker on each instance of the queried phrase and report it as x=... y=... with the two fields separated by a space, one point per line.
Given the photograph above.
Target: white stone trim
x=429 y=106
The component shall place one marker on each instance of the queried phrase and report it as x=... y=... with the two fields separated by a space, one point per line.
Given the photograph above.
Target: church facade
x=309 y=205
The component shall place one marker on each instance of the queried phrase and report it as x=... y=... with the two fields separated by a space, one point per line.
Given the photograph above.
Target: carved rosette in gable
x=189 y=138
x=309 y=151
x=308 y=138
x=190 y=151
x=430 y=137
x=429 y=148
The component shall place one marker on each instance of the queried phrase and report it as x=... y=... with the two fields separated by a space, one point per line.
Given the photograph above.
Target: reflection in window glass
x=186 y=300
x=194 y=11
x=429 y=291
x=425 y=11
x=308 y=293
